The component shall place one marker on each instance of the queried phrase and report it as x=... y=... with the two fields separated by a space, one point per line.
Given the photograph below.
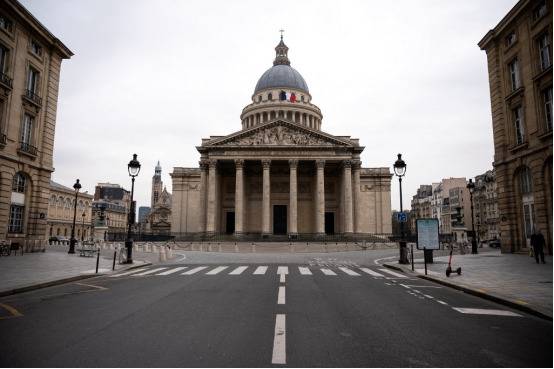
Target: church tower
x=157 y=185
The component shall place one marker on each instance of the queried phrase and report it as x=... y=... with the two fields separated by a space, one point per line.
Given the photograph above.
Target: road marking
x=217 y=270
x=304 y=271
x=91 y=285
x=405 y=286
x=282 y=278
x=281 y=295
x=238 y=270
x=429 y=296
x=283 y=270
x=129 y=272
x=392 y=273
x=15 y=313
x=148 y=272
x=260 y=270
x=430 y=272
x=486 y=312
x=192 y=271
x=442 y=302
x=349 y=271
x=171 y=271
x=279 y=341
x=412 y=285
x=376 y=261
x=371 y=272
x=327 y=271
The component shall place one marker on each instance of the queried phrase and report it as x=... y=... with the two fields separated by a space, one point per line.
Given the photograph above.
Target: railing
x=6 y=80
x=33 y=97
x=27 y=148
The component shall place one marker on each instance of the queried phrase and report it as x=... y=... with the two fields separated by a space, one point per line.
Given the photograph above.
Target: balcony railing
x=6 y=80
x=33 y=97
x=27 y=148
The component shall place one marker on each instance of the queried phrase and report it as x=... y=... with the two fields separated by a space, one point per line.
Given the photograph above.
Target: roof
x=60 y=187
x=281 y=76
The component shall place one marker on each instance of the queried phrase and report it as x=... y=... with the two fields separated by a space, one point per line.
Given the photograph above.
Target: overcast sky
x=154 y=77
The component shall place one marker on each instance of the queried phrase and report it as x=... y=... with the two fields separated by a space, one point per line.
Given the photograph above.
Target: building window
x=270 y=97
x=518 y=124
x=526 y=181
x=18 y=184
x=4 y=53
x=514 y=74
x=16 y=219
x=547 y=98
x=32 y=80
x=6 y=24
x=540 y=10
x=27 y=129
x=511 y=39
x=259 y=98
x=544 y=51
x=35 y=48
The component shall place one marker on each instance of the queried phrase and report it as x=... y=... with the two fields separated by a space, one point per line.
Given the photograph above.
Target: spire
x=158 y=169
x=281 y=51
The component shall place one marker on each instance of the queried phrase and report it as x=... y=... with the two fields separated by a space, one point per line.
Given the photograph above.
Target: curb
x=59 y=281
x=471 y=291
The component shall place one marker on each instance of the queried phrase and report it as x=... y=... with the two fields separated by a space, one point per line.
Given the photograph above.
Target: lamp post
x=134 y=168
x=400 y=171
x=76 y=187
x=471 y=187
x=83 y=227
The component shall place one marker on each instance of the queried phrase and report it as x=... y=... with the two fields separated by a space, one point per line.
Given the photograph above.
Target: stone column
x=320 y=198
x=203 y=191
x=356 y=198
x=266 y=229
x=239 y=196
x=211 y=201
x=347 y=190
x=293 y=199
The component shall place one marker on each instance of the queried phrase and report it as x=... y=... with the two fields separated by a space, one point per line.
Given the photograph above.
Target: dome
x=281 y=75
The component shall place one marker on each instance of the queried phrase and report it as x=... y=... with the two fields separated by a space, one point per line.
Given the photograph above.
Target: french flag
x=291 y=97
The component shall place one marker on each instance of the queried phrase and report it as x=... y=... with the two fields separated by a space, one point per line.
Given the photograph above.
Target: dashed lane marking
x=217 y=270
x=238 y=270
x=129 y=272
x=171 y=271
x=429 y=296
x=279 y=341
x=195 y=270
x=282 y=278
x=441 y=302
x=304 y=271
x=327 y=271
x=371 y=272
x=149 y=272
x=486 y=312
x=349 y=271
x=281 y=296
x=283 y=270
x=260 y=270
x=398 y=275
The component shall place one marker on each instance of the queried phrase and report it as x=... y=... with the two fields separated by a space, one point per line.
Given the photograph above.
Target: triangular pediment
x=280 y=133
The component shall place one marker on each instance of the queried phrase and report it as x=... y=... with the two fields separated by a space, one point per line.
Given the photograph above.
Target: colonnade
x=304 y=119
x=350 y=197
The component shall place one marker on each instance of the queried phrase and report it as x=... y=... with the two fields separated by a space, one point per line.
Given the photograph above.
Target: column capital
x=347 y=163
x=293 y=163
x=239 y=163
x=320 y=164
x=204 y=163
x=356 y=164
x=266 y=163
x=212 y=163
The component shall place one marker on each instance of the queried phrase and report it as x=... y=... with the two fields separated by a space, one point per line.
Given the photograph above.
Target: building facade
x=30 y=62
x=485 y=203
x=281 y=174
x=519 y=57
x=61 y=209
x=111 y=209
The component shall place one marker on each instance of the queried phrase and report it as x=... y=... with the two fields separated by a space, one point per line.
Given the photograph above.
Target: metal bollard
x=114 y=255
x=97 y=259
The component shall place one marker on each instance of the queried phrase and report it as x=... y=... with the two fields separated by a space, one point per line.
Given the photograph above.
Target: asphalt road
x=255 y=317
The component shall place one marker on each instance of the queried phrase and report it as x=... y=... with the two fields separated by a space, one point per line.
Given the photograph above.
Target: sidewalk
x=32 y=270
x=511 y=279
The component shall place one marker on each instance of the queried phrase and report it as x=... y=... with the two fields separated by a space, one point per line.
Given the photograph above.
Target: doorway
x=230 y=222
x=329 y=222
x=279 y=219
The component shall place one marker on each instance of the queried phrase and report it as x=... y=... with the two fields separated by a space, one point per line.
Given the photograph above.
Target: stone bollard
x=162 y=255
x=166 y=252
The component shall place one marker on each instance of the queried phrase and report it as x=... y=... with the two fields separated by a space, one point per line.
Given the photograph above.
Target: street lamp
x=471 y=187
x=76 y=187
x=83 y=227
x=400 y=171
x=134 y=168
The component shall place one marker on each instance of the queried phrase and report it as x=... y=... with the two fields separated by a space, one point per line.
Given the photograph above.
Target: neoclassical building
x=60 y=212
x=281 y=174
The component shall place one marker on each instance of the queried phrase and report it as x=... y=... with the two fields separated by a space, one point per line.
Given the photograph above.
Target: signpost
x=427 y=238
x=401 y=217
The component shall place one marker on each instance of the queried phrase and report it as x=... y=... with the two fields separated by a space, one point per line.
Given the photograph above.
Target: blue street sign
x=402 y=217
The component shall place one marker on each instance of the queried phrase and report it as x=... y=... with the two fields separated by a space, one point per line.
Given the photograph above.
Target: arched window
x=270 y=96
x=526 y=181
x=65 y=232
x=53 y=200
x=19 y=183
x=302 y=98
x=259 y=98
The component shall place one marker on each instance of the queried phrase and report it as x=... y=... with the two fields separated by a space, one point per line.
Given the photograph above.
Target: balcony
x=6 y=81
x=27 y=149
x=33 y=98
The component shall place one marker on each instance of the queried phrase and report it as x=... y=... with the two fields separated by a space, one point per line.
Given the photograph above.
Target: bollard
x=97 y=259
x=114 y=255
x=162 y=255
x=166 y=252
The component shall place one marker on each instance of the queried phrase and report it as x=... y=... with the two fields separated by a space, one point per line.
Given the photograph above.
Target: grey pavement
x=513 y=277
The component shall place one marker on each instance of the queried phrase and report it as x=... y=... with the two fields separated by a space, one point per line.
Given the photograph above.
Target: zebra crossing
x=261 y=270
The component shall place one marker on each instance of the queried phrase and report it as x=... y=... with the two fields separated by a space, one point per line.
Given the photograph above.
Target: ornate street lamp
x=134 y=168
x=76 y=187
x=471 y=187
x=400 y=171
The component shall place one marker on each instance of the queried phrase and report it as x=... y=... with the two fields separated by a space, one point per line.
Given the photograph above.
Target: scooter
x=449 y=269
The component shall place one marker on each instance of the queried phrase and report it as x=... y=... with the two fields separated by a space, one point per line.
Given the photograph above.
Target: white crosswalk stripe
x=304 y=271
x=349 y=271
x=195 y=270
x=217 y=270
x=171 y=271
x=238 y=270
x=128 y=272
x=486 y=311
x=283 y=270
x=149 y=272
x=371 y=272
x=397 y=275
x=260 y=270
x=327 y=271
